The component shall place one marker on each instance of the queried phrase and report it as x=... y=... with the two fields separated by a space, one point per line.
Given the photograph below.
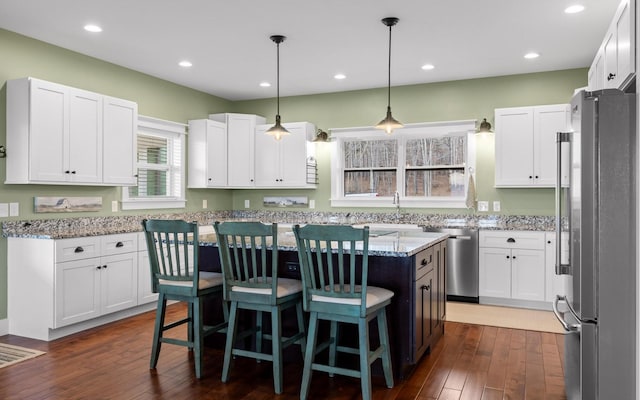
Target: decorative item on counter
x=389 y=123
x=66 y=204
x=3 y=152
x=286 y=201
x=277 y=130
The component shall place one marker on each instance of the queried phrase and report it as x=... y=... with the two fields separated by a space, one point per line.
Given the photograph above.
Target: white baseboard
x=499 y=301
x=4 y=327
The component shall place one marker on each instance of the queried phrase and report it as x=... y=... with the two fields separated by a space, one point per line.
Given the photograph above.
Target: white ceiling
x=229 y=46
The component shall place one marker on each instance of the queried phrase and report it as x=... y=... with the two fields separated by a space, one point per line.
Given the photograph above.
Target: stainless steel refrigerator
x=597 y=207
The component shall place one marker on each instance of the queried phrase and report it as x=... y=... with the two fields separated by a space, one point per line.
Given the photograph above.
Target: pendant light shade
x=277 y=130
x=388 y=124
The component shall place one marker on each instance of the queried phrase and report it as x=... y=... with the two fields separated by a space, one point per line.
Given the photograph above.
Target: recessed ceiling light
x=92 y=28
x=427 y=67
x=531 y=55
x=576 y=8
x=339 y=76
x=185 y=64
x=265 y=84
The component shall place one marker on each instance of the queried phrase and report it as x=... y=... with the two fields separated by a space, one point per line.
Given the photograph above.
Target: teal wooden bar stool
x=249 y=258
x=336 y=290
x=173 y=258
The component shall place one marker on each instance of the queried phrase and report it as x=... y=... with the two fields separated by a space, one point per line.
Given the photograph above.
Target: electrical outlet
x=496 y=206
x=114 y=206
x=204 y=203
x=312 y=203
x=247 y=204
x=14 y=209
x=483 y=206
x=4 y=209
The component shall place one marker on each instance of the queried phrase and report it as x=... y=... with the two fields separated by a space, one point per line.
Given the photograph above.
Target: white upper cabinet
x=61 y=135
x=525 y=140
x=207 y=154
x=240 y=147
x=119 y=142
x=614 y=63
x=283 y=163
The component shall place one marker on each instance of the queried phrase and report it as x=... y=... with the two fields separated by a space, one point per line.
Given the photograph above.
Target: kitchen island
x=405 y=260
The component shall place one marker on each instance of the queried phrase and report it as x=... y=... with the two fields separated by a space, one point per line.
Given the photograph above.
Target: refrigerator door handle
x=567 y=327
x=561 y=269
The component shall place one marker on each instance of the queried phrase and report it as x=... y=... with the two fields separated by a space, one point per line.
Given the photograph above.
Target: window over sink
x=428 y=164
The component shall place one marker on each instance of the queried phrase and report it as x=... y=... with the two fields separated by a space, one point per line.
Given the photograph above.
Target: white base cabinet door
x=77 y=291
x=119 y=282
x=495 y=272
x=528 y=278
x=145 y=289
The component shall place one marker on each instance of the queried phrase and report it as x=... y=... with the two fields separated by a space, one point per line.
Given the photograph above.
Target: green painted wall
x=22 y=56
x=455 y=100
x=469 y=99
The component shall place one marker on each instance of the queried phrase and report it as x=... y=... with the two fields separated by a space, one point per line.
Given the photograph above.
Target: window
x=427 y=164
x=160 y=166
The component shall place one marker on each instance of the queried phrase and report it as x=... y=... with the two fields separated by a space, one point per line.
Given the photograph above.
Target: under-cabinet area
x=58 y=287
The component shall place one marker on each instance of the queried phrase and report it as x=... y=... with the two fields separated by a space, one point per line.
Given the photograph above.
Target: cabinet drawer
x=119 y=244
x=77 y=248
x=512 y=239
x=424 y=262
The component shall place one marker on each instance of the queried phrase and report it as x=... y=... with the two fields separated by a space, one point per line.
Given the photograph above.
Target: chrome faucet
x=396 y=201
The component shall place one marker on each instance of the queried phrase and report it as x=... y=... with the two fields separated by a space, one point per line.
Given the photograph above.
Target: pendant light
x=277 y=130
x=389 y=123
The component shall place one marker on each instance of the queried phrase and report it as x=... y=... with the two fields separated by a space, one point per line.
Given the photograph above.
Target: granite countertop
x=64 y=228
x=386 y=242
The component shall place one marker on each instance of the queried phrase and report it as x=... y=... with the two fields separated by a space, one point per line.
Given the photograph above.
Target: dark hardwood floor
x=112 y=362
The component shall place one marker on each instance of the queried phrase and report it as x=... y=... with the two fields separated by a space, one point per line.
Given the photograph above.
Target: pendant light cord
x=278 y=78
x=389 y=76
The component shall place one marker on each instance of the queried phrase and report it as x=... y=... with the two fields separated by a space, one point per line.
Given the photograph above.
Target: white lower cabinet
x=58 y=287
x=89 y=288
x=512 y=267
x=145 y=288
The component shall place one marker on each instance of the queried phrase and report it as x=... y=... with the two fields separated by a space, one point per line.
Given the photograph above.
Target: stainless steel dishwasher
x=462 y=263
